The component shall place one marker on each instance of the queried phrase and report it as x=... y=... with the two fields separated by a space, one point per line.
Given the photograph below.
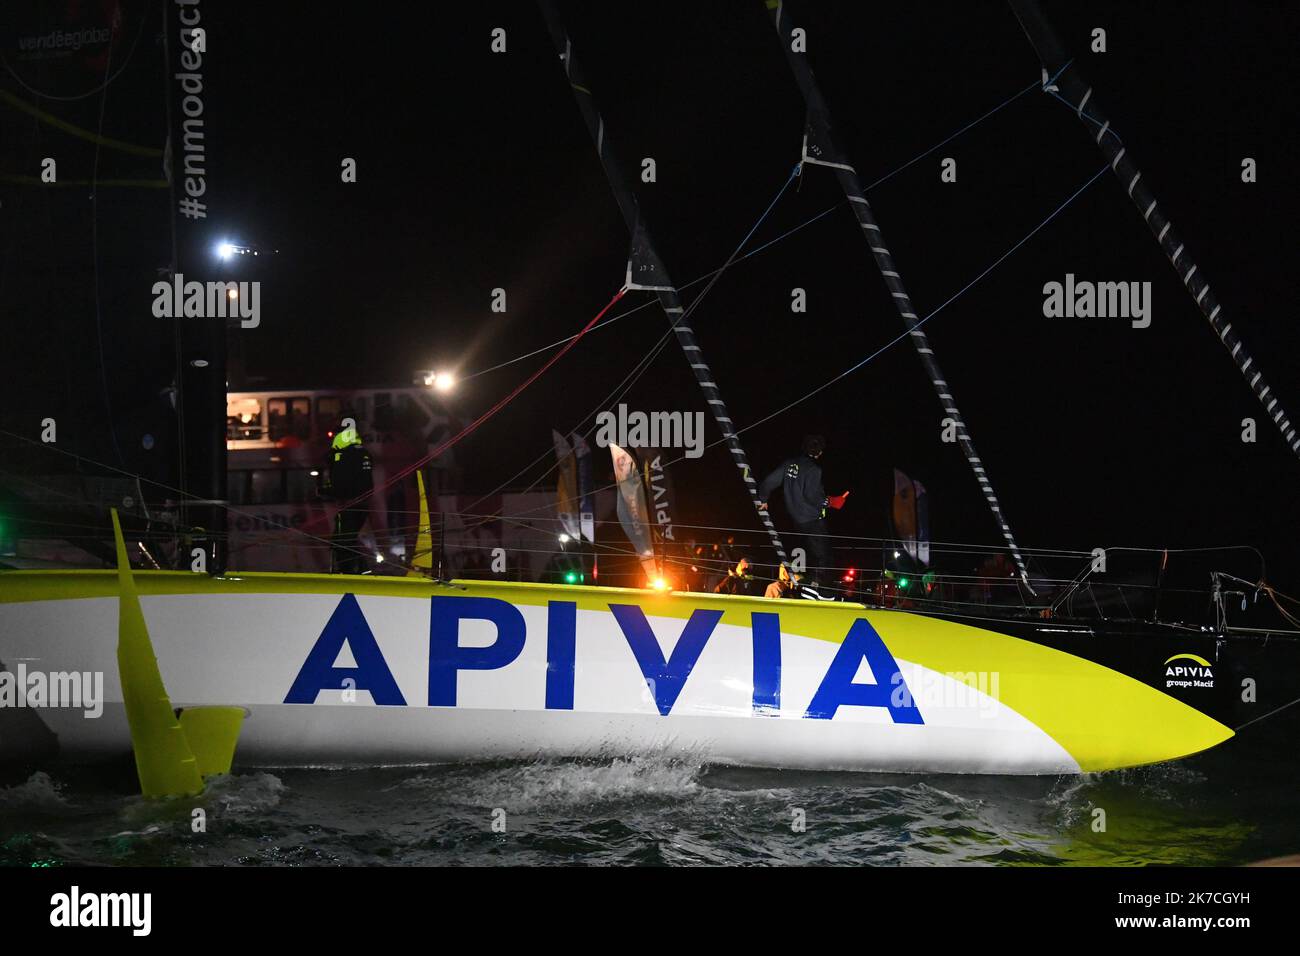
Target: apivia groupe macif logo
x=1188 y=670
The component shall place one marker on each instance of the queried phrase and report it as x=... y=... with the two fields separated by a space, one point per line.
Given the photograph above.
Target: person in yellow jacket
x=348 y=476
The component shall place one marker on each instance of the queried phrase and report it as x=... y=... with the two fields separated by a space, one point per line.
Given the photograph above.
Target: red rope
x=409 y=469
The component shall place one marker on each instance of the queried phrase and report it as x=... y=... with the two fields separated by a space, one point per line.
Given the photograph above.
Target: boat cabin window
x=244 y=419
x=290 y=418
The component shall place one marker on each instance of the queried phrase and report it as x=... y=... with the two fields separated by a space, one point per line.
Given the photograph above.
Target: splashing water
x=650 y=809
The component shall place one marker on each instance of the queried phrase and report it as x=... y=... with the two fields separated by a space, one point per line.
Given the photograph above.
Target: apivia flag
x=566 y=487
x=632 y=511
x=911 y=514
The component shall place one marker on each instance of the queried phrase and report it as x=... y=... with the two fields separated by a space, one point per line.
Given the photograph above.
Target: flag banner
x=904 y=512
x=632 y=510
x=566 y=486
x=922 y=524
x=586 y=489
x=659 y=486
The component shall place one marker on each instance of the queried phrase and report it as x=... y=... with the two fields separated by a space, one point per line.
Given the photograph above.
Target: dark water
x=643 y=810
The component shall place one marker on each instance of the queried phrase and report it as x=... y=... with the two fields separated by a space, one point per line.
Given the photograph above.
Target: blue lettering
x=837 y=688
x=766 y=631
x=561 y=647
x=347 y=625
x=447 y=657
x=665 y=678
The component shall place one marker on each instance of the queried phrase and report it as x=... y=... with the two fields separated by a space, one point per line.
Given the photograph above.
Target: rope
x=953 y=298
x=643 y=364
x=898 y=338
x=789 y=232
x=1255 y=720
x=511 y=396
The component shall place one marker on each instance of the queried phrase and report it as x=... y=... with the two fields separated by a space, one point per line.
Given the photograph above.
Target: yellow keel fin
x=422 y=560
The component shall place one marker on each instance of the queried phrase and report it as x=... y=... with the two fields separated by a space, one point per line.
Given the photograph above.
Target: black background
x=475 y=172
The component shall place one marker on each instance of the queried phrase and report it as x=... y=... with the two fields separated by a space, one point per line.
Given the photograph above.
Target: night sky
x=475 y=171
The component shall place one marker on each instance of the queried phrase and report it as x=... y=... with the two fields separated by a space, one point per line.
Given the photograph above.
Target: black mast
x=1068 y=81
x=645 y=268
x=821 y=149
x=201 y=342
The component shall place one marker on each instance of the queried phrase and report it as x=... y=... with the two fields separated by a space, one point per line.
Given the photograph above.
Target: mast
x=821 y=149
x=201 y=343
x=646 y=270
x=1069 y=84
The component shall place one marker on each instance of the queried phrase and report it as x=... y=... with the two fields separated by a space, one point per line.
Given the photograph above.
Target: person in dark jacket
x=348 y=477
x=738 y=580
x=806 y=500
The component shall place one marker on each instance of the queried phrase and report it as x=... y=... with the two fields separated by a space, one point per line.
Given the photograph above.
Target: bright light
x=564 y=539
x=660 y=584
x=441 y=381
x=895 y=554
x=903 y=582
x=232 y=294
x=225 y=250
x=571 y=577
x=314 y=473
x=379 y=559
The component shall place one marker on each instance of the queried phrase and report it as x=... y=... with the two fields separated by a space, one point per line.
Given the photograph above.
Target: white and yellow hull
x=371 y=670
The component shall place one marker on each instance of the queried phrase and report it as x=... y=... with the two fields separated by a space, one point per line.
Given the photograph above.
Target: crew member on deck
x=784 y=585
x=800 y=479
x=738 y=580
x=348 y=477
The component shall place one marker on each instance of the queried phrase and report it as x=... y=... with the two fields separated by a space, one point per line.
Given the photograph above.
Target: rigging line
x=645 y=359
x=616 y=395
x=970 y=125
x=510 y=396
x=649 y=264
x=1084 y=114
x=645 y=305
x=94 y=258
x=689 y=311
x=533 y=464
x=1075 y=90
x=898 y=338
x=940 y=547
x=819 y=147
x=1255 y=720
x=644 y=364
x=784 y=235
x=86 y=502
